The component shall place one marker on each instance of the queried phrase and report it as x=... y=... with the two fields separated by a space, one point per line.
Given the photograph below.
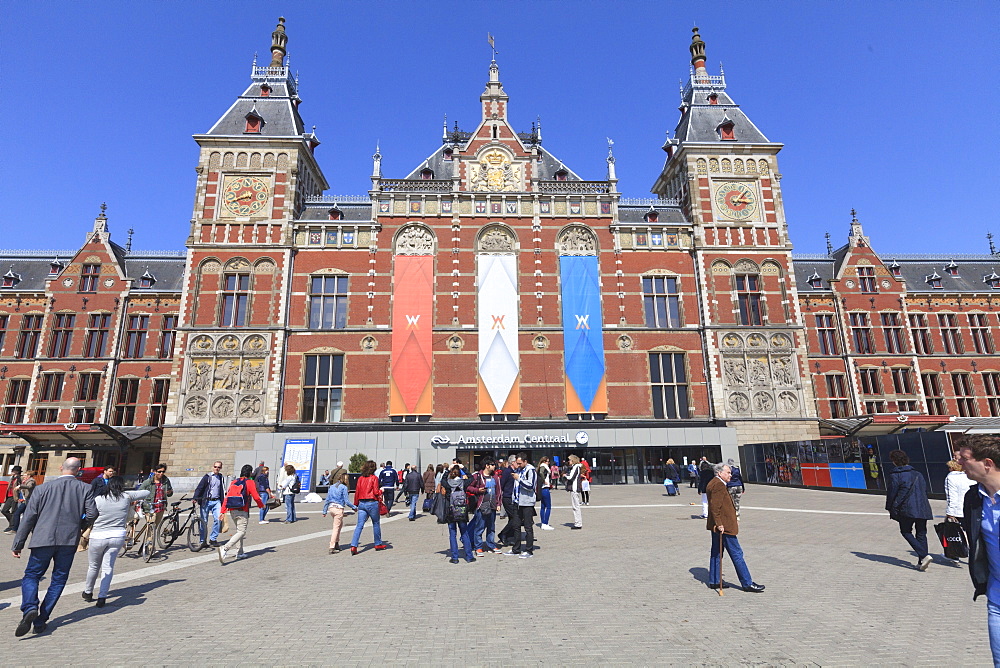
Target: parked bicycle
x=171 y=527
x=139 y=533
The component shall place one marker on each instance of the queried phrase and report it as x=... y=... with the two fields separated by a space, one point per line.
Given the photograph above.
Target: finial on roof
x=377 y=163
x=538 y=125
x=993 y=249
x=278 y=41
x=829 y=246
x=104 y=207
x=697 y=49
x=489 y=38
x=854 y=216
x=444 y=130
x=128 y=243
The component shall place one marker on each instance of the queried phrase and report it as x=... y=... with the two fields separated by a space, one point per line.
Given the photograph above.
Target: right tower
x=724 y=172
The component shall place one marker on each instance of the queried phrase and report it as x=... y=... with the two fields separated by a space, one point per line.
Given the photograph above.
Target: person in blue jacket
x=336 y=501
x=906 y=501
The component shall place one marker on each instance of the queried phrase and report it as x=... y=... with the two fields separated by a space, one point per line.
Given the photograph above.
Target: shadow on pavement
x=117 y=599
x=881 y=558
x=700 y=574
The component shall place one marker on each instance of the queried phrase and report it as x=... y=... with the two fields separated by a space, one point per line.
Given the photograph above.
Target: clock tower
x=724 y=173
x=255 y=170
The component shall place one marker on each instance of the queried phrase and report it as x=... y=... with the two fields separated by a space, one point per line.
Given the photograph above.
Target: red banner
x=412 y=322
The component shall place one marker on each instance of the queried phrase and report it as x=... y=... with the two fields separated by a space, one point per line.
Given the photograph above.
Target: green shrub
x=358 y=460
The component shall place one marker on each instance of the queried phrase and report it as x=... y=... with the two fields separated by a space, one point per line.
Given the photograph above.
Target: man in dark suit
x=56 y=512
x=724 y=526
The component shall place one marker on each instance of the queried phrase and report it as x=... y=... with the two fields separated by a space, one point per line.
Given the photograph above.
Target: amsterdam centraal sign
x=526 y=441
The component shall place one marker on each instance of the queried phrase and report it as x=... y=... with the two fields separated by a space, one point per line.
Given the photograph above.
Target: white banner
x=499 y=365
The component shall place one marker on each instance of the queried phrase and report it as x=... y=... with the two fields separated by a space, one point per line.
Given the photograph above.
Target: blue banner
x=583 y=333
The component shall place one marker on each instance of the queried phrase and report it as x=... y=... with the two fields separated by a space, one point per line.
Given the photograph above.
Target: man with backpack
x=413 y=482
x=387 y=481
x=523 y=499
x=237 y=504
x=484 y=501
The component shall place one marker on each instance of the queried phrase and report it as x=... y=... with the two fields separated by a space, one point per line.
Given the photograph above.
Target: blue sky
x=887 y=107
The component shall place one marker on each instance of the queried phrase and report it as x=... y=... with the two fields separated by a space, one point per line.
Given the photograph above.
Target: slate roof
x=700 y=121
x=319 y=211
x=281 y=118
x=635 y=214
x=443 y=169
x=167 y=267
x=914 y=269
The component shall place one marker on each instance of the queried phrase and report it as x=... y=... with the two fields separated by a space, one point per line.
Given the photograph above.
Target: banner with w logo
x=412 y=320
x=499 y=365
x=583 y=334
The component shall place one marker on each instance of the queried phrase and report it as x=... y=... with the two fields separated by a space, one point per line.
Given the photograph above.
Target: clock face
x=582 y=437
x=736 y=200
x=245 y=195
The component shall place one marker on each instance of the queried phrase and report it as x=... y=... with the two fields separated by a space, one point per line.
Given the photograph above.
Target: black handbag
x=952 y=539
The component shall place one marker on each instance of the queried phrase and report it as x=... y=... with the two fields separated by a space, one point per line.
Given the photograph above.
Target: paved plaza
x=628 y=589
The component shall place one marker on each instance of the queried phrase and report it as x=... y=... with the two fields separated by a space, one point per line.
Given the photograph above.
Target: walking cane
x=721 y=581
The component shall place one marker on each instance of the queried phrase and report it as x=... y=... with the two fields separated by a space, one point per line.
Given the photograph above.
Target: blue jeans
x=61 y=557
x=918 y=542
x=546 y=504
x=412 y=500
x=289 y=507
x=484 y=523
x=388 y=496
x=731 y=544
x=993 y=619
x=212 y=507
x=462 y=528
x=15 y=520
x=366 y=510
x=264 y=496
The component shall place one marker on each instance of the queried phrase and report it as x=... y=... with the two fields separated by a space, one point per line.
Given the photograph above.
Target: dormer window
x=895 y=268
x=147 y=280
x=992 y=280
x=561 y=175
x=447 y=154
x=335 y=214
x=427 y=174
x=713 y=98
x=727 y=130
x=934 y=280
x=265 y=91
x=55 y=267
x=815 y=281
x=254 y=122
x=652 y=216
x=952 y=268
x=10 y=279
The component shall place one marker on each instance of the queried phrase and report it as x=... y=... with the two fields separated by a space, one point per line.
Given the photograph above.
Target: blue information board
x=299 y=453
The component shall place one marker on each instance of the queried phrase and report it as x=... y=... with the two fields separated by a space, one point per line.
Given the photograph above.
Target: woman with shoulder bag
x=367 y=495
x=456 y=502
x=286 y=487
x=574 y=485
x=107 y=535
x=545 y=485
x=336 y=502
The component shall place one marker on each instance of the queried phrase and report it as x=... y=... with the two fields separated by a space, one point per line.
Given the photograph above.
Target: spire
x=857 y=237
x=444 y=130
x=697 y=49
x=611 y=161
x=494 y=99
x=377 y=163
x=278 y=41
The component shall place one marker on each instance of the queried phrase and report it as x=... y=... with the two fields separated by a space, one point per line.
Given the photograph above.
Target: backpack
x=458 y=502
x=236 y=497
x=296 y=486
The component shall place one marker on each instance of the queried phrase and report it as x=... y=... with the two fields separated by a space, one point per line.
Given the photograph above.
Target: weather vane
x=489 y=38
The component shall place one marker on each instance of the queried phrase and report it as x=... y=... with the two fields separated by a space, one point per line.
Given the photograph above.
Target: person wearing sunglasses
x=160 y=490
x=208 y=495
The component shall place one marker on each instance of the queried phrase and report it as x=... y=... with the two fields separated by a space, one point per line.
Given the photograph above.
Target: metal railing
x=415 y=185
x=574 y=187
x=338 y=199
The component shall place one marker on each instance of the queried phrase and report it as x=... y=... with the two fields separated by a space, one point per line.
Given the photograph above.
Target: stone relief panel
x=496 y=239
x=577 y=240
x=415 y=240
x=495 y=173
x=759 y=373
x=225 y=378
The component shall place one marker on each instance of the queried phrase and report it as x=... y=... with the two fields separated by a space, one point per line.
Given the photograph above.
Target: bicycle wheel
x=167 y=533
x=194 y=535
x=130 y=535
x=149 y=545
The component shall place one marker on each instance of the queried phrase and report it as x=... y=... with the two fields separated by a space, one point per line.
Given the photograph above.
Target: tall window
x=748 y=294
x=88 y=387
x=861 y=332
x=991 y=381
x=27 y=341
x=950 y=336
x=168 y=329
x=328 y=302
x=16 y=401
x=62 y=335
x=981 y=337
x=158 y=402
x=51 y=387
x=97 y=335
x=827 y=333
x=901 y=381
x=874 y=406
x=935 y=397
x=669 y=382
x=964 y=395
x=84 y=415
x=323 y=391
x=235 y=298
x=3 y=331
x=870 y=382
x=89 y=276
x=836 y=390
x=126 y=398
x=892 y=327
x=661 y=301
x=46 y=415
x=135 y=336
x=921 y=334
x=866 y=279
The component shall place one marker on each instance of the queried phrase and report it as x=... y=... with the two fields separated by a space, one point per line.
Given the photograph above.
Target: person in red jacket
x=366 y=498
x=243 y=487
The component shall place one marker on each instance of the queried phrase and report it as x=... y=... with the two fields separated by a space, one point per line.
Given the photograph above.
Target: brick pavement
x=627 y=589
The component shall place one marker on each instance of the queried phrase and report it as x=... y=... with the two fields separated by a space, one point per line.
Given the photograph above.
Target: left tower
x=255 y=169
